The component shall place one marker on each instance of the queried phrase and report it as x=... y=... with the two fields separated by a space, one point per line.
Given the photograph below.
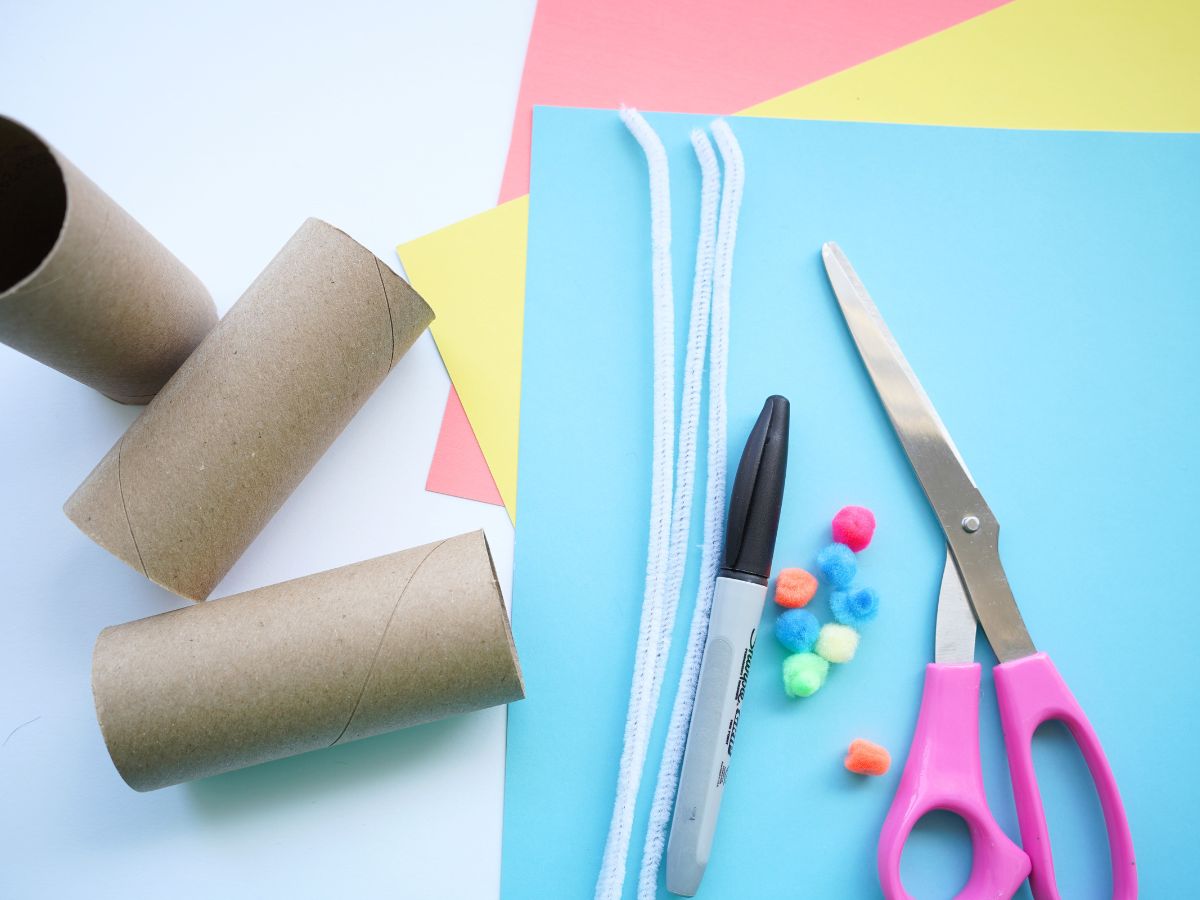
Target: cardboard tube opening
x=303 y=665
x=33 y=203
x=84 y=288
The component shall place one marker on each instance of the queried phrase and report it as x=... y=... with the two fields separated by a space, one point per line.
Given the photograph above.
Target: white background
x=221 y=126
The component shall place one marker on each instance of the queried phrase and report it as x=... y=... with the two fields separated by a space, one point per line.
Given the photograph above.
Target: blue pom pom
x=854 y=608
x=839 y=605
x=797 y=629
x=837 y=565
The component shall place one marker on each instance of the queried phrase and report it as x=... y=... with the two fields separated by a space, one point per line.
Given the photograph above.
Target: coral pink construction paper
x=458 y=466
x=701 y=56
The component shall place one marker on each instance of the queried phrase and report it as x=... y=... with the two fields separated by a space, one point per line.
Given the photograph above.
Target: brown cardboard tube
x=202 y=470
x=322 y=660
x=83 y=287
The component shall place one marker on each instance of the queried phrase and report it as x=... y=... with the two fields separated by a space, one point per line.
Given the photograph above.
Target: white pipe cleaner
x=668 y=543
x=640 y=715
x=689 y=416
x=714 y=512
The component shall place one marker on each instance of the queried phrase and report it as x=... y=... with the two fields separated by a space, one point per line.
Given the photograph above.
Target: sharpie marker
x=736 y=612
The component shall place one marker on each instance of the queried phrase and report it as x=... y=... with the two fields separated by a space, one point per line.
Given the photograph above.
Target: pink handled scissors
x=943 y=769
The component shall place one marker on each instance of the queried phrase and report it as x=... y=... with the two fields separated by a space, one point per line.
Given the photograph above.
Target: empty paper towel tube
x=326 y=659
x=196 y=477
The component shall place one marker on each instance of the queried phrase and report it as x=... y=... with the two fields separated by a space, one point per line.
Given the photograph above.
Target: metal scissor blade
x=919 y=413
x=970 y=527
x=954 y=634
x=917 y=423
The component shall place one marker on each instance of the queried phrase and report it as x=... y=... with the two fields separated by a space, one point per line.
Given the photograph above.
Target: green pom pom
x=803 y=674
x=837 y=643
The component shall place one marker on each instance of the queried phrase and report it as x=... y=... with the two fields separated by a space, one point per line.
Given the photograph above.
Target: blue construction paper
x=1045 y=287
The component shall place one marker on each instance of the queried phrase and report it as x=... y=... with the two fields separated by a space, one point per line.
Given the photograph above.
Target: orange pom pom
x=866 y=758
x=794 y=588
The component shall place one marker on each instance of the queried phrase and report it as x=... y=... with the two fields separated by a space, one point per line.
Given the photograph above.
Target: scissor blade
x=954 y=634
x=908 y=406
x=970 y=527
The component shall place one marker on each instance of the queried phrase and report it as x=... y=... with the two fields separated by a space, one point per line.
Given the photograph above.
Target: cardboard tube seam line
x=387 y=301
x=125 y=510
x=362 y=692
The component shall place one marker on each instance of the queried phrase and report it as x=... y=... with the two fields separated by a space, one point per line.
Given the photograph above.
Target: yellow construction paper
x=1070 y=64
x=1089 y=65
x=474 y=274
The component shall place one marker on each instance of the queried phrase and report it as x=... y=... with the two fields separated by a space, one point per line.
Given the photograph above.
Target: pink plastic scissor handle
x=1030 y=692
x=943 y=772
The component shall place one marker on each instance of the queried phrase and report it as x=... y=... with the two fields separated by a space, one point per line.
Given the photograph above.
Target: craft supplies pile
x=701 y=738
x=238 y=412
x=708 y=711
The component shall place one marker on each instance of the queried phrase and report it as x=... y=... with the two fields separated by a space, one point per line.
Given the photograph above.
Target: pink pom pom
x=854 y=526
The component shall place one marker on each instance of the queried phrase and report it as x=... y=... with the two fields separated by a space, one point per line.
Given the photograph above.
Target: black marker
x=737 y=607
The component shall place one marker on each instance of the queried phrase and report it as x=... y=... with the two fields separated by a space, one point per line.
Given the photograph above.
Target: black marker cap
x=757 y=496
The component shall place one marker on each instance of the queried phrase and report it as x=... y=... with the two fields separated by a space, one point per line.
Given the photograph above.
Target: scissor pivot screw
x=970 y=524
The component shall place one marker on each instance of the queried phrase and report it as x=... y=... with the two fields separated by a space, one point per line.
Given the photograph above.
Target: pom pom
x=866 y=758
x=803 y=674
x=837 y=643
x=794 y=588
x=837 y=565
x=854 y=608
x=797 y=629
x=854 y=526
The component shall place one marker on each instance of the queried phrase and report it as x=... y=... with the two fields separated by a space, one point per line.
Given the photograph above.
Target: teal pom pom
x=854 y=608
x=837 y=565
x=797 y=629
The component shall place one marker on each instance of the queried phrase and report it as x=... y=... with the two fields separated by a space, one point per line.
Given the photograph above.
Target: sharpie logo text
x=739 y=694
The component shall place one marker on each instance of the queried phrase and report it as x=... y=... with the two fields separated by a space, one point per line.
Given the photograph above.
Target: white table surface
x=221 y=126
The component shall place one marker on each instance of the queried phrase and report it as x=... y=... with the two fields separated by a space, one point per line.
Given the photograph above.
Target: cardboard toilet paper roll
x=197 y=476
x=326 y=659
x=83 y=287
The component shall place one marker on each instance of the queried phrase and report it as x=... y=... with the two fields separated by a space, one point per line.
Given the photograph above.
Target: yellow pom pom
x=837 y=643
